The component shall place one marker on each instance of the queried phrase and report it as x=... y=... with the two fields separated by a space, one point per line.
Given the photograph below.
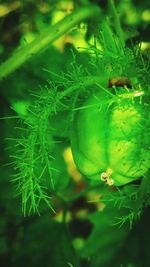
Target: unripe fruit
x=111 y=143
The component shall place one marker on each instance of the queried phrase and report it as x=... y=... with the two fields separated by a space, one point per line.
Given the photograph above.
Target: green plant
x=99 y=105
x=77 y=99
x=85 y=100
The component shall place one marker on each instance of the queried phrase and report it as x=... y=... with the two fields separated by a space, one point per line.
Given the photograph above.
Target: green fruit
x=111 y=142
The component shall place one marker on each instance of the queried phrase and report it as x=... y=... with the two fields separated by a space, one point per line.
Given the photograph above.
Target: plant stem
x=117 y=24
x=102 y=82
x=49 y=35
x=83 y=84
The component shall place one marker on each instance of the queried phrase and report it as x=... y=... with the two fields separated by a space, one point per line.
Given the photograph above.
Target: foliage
x=82 y=222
